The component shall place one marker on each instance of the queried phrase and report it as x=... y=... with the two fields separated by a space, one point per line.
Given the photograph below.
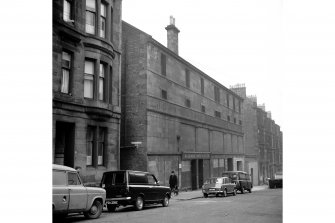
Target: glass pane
x=102 y=70
x=65 y=81
x=119 y=178
x=90 y=22
x=66 y=56
x=67 y=11
x=100 y=161
x=88 y=88
x=103 y=10
x=58 y=178
x=73 y=179
x=89 y=160
x=90 y=4
x=101 y=89
x=89 y=67
x=102 y=27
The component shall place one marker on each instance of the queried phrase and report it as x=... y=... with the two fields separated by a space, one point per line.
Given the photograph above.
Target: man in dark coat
x=173 y=181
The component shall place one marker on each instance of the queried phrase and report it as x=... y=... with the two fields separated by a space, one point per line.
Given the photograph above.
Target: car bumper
x=118 y=200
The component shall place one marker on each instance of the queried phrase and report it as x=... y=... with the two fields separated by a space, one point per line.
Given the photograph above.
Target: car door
x=60 y=192
x=154 y=189
x=78 y=193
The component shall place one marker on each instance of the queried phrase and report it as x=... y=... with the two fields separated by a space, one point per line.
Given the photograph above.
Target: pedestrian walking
x=173 y=181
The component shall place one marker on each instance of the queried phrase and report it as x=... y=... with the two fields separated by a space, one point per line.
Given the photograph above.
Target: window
x=101 y=145
x=227 y=95
x=89 y=79
x=72 y=179
x=164 y=94
x=151 y=179
x=58 y=177
x=89 y=145
x=203 y=108
x=188 y=103
x=228 y=118
x=187 y=78
x=119 y=178
x=90 y=16
x=240 y=122
x=239 y=106
x=67 y=11
x=103 y=20
x=138 y=178
x=66 y=68
x=234 y=104
x=163 y=64
x=202 y=86
x=217 y=114
x=102 y=82
x=235 y=120
x=216 y=94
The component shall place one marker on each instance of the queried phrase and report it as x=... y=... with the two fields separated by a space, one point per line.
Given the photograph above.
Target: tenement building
x=86 y=85
x=174 y=116
x=262 y=139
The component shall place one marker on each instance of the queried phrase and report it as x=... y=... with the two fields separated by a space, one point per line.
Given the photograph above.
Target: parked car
x=127 y=187
x=217 y=186
x=242 y=180
x=277 y=181
x=69 y=195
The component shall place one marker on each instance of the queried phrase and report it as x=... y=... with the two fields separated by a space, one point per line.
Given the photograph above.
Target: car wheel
x=95 y=210
x=225 y=193
x=250 y=190
x=166 y=201
x=242 y=190
x=139 y=203
x=234 y=192
x=205 y=195
x=111 y=207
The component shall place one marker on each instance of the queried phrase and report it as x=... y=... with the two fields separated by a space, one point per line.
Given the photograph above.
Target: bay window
x=89 y=79
x=90 y=16
x=102 y=82
x=67 y=10
x=103 y=20
x=66 y=68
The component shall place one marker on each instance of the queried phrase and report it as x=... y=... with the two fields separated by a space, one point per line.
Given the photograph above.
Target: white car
x=69 y=195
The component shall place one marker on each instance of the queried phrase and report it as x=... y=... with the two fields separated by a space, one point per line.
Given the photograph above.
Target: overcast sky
x=233 y=41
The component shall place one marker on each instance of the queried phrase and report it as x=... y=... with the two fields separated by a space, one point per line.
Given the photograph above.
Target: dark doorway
x=64 y=144
x=252 y=175
x=194 y=171
x=230 y=164
x=201 y=172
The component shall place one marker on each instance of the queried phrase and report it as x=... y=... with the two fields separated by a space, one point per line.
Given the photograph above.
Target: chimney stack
x=172 y=35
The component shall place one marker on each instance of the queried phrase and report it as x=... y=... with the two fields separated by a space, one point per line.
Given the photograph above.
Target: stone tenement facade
x=270 y=145
x=250 y=132
x=184 y=119
x=86 y=85
x=262 y=139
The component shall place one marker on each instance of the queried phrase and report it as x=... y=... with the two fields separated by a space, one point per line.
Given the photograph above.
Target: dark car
x=277 y=181
x=218 y=185
x=241 y=178
x=128 y=187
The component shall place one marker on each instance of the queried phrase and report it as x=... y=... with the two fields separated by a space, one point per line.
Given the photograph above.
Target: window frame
x=70 y=18
x=187 y=78
x=164 y=94
x=217 y=114
x=103 y=18
x=86 y=75
x=91 y=142
x=202 y=86
x=102 y=66
x=94 y=13
x=163 y=64
x=69 y=70
x=187 y=102
x=104 y=143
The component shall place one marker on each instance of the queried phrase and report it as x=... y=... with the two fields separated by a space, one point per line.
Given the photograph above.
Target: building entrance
x=64 y=144
x=197 y=172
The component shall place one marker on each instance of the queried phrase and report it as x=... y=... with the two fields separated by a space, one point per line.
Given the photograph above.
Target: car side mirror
x=158 y=182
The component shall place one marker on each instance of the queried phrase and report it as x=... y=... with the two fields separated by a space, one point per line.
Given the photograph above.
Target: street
x=261 y=206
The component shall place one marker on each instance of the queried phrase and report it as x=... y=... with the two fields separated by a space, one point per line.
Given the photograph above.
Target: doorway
x=64 y=144
x=230 y=164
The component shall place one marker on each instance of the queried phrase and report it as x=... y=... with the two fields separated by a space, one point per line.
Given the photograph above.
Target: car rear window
x=232 y=176
x=58 y=177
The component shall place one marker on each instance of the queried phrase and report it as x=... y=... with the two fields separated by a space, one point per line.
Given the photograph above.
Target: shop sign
x=192 y=156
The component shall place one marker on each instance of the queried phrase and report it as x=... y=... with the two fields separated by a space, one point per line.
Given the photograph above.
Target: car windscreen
x=214 y=181
x=232 y=176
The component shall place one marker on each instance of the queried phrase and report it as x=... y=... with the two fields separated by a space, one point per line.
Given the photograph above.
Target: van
x=241 y=179
x=128 y=187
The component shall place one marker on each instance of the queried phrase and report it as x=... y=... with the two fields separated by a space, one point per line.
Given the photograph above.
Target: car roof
x=234 y=171
x=132 y=171
x=61 y=167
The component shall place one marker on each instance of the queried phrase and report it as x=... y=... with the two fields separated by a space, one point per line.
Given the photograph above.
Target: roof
x=61 y=167
x=238 y=171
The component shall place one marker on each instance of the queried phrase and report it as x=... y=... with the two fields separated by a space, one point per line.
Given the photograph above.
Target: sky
x=234 y=42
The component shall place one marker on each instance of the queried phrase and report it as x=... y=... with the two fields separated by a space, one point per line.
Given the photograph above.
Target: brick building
x=181 y=118
x=262 y=139
x=86 y=85
x=270 y=145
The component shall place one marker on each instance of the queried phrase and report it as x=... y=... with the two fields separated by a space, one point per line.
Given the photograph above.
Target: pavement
x=194 y=194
